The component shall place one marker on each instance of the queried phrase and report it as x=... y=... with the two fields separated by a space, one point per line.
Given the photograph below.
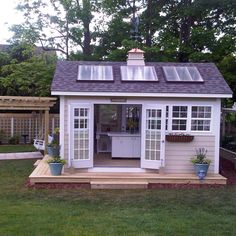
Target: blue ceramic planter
x=55 y=168
x=201 y=170
x=52 y=151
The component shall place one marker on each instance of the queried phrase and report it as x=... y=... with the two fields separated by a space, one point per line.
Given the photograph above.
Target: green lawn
x=16 y=148
x=169 y=212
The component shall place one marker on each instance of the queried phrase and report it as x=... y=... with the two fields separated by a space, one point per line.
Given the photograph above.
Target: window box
x=179 y=138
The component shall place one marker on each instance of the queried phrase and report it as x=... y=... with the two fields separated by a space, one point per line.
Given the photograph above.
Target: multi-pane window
x=153 y=119
x=81 y=133
x=200 y=118
x=179 y=118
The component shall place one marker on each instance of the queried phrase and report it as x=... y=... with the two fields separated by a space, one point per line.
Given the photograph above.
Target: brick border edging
x=184 y=186
x=58 y=185
x=150 y=186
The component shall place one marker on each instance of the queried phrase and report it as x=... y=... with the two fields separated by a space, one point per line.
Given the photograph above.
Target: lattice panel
x=29 y=124
x=22 y=126
x=5 y=125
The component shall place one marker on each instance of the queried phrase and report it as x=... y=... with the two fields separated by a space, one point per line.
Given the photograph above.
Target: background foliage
x=169 y=30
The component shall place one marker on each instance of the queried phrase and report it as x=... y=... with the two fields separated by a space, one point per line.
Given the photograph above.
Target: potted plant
x=201 y=163
x=56 y=164
x=132 y=125
x=53 y=148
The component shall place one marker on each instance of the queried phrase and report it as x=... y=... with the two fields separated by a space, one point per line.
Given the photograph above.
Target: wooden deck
x=41 y=174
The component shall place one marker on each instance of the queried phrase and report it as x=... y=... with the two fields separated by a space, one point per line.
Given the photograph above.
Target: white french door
x=81 y=136
x=153 y=136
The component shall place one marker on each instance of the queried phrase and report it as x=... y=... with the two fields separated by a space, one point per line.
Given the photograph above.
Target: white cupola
x=135 y=57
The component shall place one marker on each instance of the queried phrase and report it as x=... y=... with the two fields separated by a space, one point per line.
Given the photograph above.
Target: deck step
x=37 y=162
x=118 y=185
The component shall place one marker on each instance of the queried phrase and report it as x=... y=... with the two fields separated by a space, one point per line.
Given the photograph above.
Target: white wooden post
x=46 y=129
x=53 y=124
x=12 y=126
x=30 y=125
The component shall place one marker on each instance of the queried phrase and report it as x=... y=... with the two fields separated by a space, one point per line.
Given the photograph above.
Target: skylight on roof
x=92 y=72
x=138 y=73
x=182 y=73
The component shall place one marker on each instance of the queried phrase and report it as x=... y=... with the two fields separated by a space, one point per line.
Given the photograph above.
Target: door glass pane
x=81 y=134
x=153 y=134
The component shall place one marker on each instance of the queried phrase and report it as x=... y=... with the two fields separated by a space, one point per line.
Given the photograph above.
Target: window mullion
x=189 y=120
x=177 y=73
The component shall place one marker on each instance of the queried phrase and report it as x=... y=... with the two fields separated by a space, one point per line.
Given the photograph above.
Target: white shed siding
x=177 y=155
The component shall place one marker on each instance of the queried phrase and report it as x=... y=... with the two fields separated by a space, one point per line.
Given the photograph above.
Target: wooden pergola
x=19 y=103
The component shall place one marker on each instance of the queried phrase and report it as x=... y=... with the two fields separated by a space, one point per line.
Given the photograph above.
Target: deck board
x=41 y=174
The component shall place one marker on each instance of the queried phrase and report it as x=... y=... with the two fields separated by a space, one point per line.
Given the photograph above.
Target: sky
x=8 y=16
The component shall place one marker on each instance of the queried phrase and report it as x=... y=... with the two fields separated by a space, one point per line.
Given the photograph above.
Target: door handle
x=163 y=141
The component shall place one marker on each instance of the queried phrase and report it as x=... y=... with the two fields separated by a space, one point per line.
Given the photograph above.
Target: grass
x=80 y=212
x=16 y=148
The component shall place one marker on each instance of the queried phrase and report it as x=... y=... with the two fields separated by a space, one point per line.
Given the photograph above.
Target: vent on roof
x=138 y=73
x=182 y=73
x=92 y=72
x=135 y=57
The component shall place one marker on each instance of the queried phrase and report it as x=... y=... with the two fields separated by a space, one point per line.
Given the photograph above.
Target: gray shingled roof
x=65 y=80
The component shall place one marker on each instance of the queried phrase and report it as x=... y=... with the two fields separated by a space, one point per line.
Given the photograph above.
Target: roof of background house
x=4 y=47
x=37 y=50
x=65 y=80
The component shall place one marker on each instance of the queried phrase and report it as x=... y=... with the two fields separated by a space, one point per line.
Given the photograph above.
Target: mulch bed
x=228 y=171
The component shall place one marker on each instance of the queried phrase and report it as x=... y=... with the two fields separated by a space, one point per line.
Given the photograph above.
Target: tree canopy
x=169 y=30
x=25 y=71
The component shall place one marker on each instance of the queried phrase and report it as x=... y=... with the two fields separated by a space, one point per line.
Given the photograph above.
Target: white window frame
x=82 y=118
x=179 y=118
x=199 y=119
x=189 y=119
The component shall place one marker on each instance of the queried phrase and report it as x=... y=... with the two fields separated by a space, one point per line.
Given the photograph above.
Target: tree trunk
x=87 y=39
x=185 y=30
x=148 y=24
x=67 y=39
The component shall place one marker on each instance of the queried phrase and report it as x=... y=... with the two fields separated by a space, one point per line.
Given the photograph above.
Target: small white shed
x=139 y=115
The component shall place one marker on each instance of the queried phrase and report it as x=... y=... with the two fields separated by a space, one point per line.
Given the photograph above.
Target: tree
x=27 y=76
x=57 y=24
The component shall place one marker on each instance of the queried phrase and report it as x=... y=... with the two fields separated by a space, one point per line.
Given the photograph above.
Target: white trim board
x=118 y=170
x=62 y=126
x=112 y=94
